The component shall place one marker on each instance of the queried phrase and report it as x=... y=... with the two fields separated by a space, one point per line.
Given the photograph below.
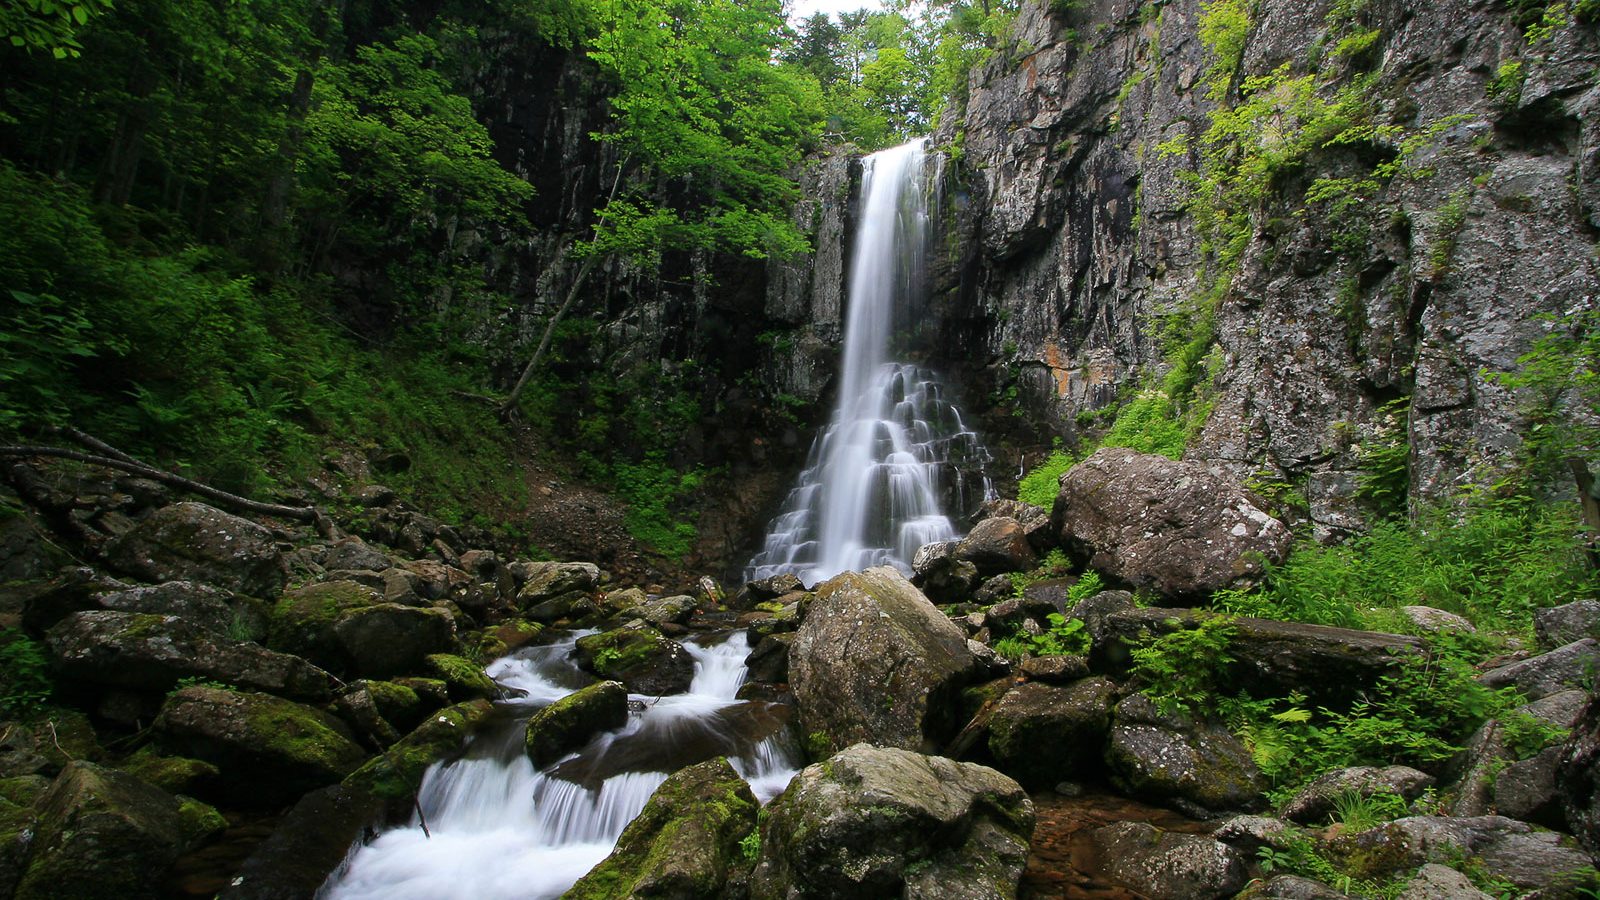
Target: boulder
x=1250 y=833
x=1289 y=887
x=1530 y=859
x=390 y=639
x=1054 y=669
x=397 y=772
x=941 y=576
x=1426 y=618
x=1494 y=773
x=44 y=745
x=769 y=661
x=876 y=661
x=1559 y=626
x=1578 y=778
x=1436 y=882
x=543 y=581
x=1171 y=526
x=198 y=604
x=354 y=553
x=1035 y=520
x=195 y=542
x=1564 y=668
x=463 y=679
x=103 y=833
x=145 y=651
x=771 y=588
x=269 y=750
x=685 y=841
x=308 y=843
x=995 y=546
x=1316 y=801
x=173 y=774
x=640 y=658
x=1279 y=657
x=570 y=722
x=674 y=610
x=1164 y=865
x=880 y=822
x=399 y=705
x=1041 y=734
x=1199 y=767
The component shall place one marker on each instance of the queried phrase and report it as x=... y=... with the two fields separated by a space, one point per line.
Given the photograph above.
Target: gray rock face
x=1199 y=767
x=874 y=822
x=997 y=545
x=195 y=542
x=1564 y=668
x=1509 y=849
x=1436 y=882
x=546 y=580
x=1314 y=804
x=144 y=651
x=1170 y=526
x=309 y=842
x=876 y=661
x=1167 y=866
x=1578 y=778
x=197 y=604
x=1562 y=625
x=269 y=750
x=103 y=833
x=1041 y=734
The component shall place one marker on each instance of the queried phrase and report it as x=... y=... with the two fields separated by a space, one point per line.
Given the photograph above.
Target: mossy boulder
x=399 y=705
x=147 y=651
x=684 y=843
x=269 y=750
x=104 y=833
x=397 y=772
x=195 y=542
x=1042 y=734
x=310 y=841
x=302 y=620
x=45 y=744
x=878 y=822
x=570 y=722
x=393 y=639
x=18 y=826
x=639 y=657
x=1198 y=767
x=542 y=581
x=464 y=679
x=1158 y=863
x=173 y=774
x=516 y=633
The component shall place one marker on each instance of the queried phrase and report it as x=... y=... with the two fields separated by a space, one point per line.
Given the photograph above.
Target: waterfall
x=870 y=493
x=497 y=828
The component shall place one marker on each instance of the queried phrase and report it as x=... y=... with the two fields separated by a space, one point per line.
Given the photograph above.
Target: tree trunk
x=508 y=409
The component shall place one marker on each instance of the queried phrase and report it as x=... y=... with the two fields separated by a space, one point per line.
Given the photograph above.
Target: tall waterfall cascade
x=872 y=489
x=499 y=829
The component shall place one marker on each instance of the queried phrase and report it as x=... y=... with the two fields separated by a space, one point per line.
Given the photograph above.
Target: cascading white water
x=870 y=492
x=500 y=829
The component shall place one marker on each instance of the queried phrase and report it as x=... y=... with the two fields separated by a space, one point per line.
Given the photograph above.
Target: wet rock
x=198 y=604
x=397 y=772
x=668 y=746
x=640 y=658
x=547 y=580
x=103 y=833
x=356 y=706
x=268 y=749
x=674 y=610
x=1199 y=767
x=1165 y=865
x=1436 y=882
x=996 y=546
x=875 y=661
x=1170 y=526
x=570 y=607
x=1289 y=887
x=144 y=651
x=1278 y=656
x=1515 y=851
x=570 y=722
x=1426 y=618
x=195 y=542
x=623 y=602
x=389 y=639
x=941 y=576
x=684 y=843
x=764 y=589
x=1564 y=668
x=399 y=705
x=173 y=774
x=874 y=822
x=769 y=661
x=302 y=620
x=463 y=679
x=1054 y=669
x=1035 y=520
x=1562 y=625
x=1315 y=803
x=309 y=842
x=1041 y=733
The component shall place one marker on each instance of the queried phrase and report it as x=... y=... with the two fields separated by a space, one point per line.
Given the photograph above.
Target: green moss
x=199 y=821
x=173 y=774
x=397 y=772
x=302 y=614
x=291 y=731
x=464 y=679
x=22 y=790
x=397 y=702
x=620 y=650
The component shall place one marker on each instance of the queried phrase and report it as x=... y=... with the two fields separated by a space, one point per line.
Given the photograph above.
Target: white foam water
x=500 y=829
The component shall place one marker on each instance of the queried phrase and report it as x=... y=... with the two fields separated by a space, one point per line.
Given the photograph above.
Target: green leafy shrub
x=25 y=684
x=1064 y=637
x=1043 y=482
x=1186 y=669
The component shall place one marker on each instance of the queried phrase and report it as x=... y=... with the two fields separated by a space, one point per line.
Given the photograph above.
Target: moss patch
x=397 y=772
x=464 y=679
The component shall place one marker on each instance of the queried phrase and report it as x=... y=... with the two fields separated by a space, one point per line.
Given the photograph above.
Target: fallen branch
x=124 y=463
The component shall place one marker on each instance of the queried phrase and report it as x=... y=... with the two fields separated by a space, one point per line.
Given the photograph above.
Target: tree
x=49 y=26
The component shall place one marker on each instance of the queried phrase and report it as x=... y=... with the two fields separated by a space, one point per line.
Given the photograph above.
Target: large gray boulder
x=683 y=844
x=195 y=542
x=997 y=545
x=348 y=628
x=543 y=581
x=1558 y=626
x=876 y=661
x=269 y=750
x=1198 y=767
x=1042 y=734
x=145 y=651
x=198 y=604
x=1164 y=865
x=1571 y=666
x=103 y=833
x=639 y=657
x=1317 y=800
x=879 y=822
x=1529 y=858
x=570 y=722
x=1170 y=526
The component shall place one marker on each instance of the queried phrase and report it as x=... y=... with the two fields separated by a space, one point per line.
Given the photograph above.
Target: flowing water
x=871 y=491
x=500 y=829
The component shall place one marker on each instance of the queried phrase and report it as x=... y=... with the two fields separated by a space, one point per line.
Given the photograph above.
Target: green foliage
x=1064 y=637
x=1043 y=482
x=1358 y=812
x=1560 y=381
x=1495 y=563
x=1452 y=216
x=48 y=26
x=1505 y=88
x=651 y=486
x=750 y=846
x=1184 y=669
x=1054 y=565
x=1383 y=461
x=25 y=684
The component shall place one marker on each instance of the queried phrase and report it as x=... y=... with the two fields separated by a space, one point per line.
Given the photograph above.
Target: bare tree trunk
x=509 y=407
